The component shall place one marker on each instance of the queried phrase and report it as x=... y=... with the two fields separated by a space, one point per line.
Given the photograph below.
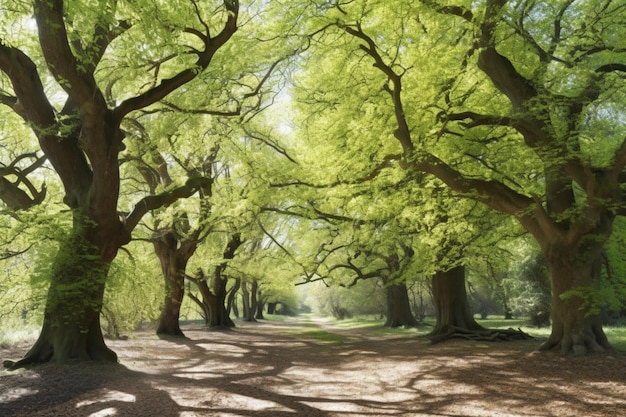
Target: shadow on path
x=309 y=368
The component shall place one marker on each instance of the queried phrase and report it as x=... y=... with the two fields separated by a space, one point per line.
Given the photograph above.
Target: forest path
x=312 y=367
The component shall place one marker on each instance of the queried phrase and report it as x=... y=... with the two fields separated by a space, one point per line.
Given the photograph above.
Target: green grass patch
x=310 y=326
x=617 y=337
x=498 y=323
x=521 y=323
x=322 y=335
x=10 y=336
x=278 y=317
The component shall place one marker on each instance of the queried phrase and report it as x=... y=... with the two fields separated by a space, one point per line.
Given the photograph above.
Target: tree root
x=486 y=335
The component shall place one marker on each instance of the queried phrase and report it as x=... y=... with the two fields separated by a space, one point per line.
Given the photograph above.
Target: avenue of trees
x=223 y=154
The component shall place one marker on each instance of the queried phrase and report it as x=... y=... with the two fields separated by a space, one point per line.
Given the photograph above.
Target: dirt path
x=311 y=368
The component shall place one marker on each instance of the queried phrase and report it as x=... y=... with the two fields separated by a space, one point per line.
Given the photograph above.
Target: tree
x=82 y=137
x=213 y=288
x=176 y=236
x=452 y=309
x=541 y=82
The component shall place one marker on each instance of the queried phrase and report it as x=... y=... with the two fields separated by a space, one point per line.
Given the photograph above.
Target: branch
x=497 y=67
x=30 y=96
x=402 y=133
x=100 y=40
x=17 y=199
x=387 y=162
x=270 y=143
x=211 y=46
x=459 y=11
x=10 y=193
x=79 y=84
x=153 y=202
x=505 y=77
x=611 y=67
x=10 y=254
x=493 y=193
x=359 y=274
x=478 y=119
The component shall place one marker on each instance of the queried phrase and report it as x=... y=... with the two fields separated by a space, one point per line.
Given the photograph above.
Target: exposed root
x=486 y=335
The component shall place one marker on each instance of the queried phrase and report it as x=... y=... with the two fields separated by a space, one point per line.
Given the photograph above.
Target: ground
x=314 y=368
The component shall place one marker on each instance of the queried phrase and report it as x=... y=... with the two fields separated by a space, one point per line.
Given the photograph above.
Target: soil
x=299 y=368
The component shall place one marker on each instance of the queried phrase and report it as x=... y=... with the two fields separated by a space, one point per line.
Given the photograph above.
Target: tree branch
x=153 y=202
x=211 y=45
x=402 y=133
x=79 y=84
x=459 y=11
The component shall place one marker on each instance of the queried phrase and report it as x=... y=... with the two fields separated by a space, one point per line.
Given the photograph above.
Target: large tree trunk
x=71 y=327
x=451 y=305
x=575 y=327
x=173 y=264
x=398 y=306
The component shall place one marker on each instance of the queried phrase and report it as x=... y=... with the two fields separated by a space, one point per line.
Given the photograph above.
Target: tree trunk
x=213 y=305
x=173 y=264
x=260 y=306
x=248 y=298
x=205 y=313
x=398 y=306
x=245 y=301
x=231 y=303
x=451 y=305
x=254 y=300
x=219 y=315
x=576 y=319
x=71 y=326
x=271 y=308
x=234 y=308
x=217 y=299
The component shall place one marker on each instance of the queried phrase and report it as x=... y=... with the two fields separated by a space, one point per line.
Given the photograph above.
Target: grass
x=12 y=334
x=374 y=326
x=321 y=335
x=522 y=324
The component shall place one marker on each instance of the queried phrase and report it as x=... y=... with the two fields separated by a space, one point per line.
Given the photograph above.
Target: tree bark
x=254 y=300
x=260 y=305
x=231 y=302
x=259 y=311
x=173 y=264
x=217 y=299
x=398 y=306
x=451 y=304
x=245 y=298
x=217 y=304
x=71 y=327
x=271 y=308
x=576 y=325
